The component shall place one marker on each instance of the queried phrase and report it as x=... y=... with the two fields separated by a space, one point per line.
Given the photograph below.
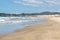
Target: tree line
x=27 y=14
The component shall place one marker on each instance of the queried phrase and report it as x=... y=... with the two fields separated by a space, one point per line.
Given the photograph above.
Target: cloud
x=17 y=2
x=29 y=2
x=38 y=3
x=54 y=2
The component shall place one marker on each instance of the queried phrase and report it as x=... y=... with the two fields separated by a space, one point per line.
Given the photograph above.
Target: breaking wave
x=10 y=24
x=17 y=19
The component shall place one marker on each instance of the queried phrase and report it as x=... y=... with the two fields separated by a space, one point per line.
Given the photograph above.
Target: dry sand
x=47 y=31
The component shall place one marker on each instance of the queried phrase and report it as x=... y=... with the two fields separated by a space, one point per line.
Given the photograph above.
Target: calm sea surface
x=10 y=24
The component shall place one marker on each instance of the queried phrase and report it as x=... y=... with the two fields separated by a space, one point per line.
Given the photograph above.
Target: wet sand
x=49 y=30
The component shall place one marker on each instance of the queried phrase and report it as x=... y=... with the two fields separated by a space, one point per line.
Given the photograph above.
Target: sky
x=29 y=6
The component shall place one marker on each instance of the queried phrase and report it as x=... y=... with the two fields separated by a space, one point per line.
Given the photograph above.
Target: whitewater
x=11 y=24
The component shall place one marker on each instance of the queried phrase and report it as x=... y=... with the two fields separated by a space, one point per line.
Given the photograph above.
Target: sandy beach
x=49 y=30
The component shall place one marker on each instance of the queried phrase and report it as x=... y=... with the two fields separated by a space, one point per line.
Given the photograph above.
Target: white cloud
x=38 y=3
x=29 y=2
x=33 y=1
x=55 y=2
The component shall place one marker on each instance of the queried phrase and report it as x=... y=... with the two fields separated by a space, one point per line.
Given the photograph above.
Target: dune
x=46 y=31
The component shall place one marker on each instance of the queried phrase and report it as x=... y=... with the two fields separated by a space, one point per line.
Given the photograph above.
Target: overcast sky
x=29 y=6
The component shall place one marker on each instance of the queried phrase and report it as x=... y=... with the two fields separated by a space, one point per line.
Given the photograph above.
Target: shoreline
x=49 y=30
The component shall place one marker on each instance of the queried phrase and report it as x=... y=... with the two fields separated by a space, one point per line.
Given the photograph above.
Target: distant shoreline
x=27 y=14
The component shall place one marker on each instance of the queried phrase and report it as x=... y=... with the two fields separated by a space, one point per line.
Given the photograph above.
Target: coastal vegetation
x=28 y=14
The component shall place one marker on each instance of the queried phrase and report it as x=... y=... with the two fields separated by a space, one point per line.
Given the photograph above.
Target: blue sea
x=11 y=24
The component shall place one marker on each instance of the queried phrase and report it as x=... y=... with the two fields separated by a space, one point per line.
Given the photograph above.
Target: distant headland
x=27 y=14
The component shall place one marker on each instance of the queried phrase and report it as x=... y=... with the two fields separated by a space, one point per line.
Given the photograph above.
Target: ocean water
x=11 y=24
